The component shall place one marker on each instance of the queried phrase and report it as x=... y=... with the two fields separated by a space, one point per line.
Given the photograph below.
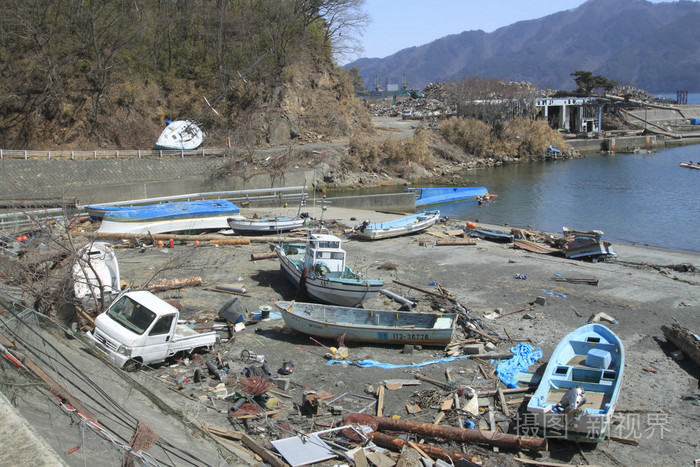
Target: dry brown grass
x=392 y=156
x=521 y=137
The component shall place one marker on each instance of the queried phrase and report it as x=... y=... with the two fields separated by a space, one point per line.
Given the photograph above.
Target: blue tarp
x=391 y=366
x=524 y=355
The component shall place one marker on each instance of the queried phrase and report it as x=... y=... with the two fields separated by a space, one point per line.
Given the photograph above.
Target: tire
x=132 y=365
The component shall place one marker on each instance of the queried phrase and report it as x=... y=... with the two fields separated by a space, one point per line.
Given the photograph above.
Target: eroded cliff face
x=313 y=106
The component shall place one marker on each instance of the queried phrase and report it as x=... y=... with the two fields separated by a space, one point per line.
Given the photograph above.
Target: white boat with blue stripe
x=318 y=268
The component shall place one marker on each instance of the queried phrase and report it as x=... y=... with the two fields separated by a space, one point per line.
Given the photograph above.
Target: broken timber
x=684 y=340
x=434 y=294
x=492 y=438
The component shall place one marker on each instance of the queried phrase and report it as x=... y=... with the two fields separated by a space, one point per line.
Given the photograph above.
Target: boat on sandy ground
x=402 y=226
x=317 y=268
x=180 y=135
x=586 y=244
x=690 y=165
x=578 y=392
x=181 y=216
x=370 y=326
x=491 y=235
x=427 y=196
x=96 y=272
x=247 y=226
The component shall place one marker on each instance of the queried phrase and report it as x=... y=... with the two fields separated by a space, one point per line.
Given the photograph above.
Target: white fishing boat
x=96 y=272
x=318 y=268
x=371 y=326
x=170 y=217
x=402 y=226
x=578 y=392
x=246 y=226
x=180 y=135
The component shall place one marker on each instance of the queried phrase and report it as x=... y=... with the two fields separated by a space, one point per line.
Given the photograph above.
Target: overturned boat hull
x=183 y=216
x=428 y=196
x=96 y=272
x=180 y=135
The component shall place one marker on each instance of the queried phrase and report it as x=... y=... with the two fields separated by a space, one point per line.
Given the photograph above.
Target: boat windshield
x=131 y=315
x=328 y=244
x=330 y=255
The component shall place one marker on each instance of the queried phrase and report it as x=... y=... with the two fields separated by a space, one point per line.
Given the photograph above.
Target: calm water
x=632 y=198
x=642 y=198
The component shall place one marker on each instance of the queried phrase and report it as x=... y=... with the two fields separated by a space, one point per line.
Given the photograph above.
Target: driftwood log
x=684 y=340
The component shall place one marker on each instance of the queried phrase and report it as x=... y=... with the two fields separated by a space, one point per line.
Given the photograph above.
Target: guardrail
x=19 y=154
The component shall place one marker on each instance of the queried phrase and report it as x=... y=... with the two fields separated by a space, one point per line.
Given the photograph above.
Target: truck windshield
x=130 y=314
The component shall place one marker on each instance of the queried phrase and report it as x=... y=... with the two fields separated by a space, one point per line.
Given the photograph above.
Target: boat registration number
x=402 y=336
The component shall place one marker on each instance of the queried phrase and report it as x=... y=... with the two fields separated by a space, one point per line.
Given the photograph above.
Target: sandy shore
x=659 y=408
x=659 y=405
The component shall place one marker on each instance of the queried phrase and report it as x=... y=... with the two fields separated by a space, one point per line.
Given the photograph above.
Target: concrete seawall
x=120 y=179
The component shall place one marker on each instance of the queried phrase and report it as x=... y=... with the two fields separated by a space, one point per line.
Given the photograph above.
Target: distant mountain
x=655 y=47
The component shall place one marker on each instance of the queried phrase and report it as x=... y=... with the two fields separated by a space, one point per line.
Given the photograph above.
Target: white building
x=573 y=114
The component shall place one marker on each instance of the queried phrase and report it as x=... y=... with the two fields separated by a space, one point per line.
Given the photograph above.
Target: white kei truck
x=139 y=328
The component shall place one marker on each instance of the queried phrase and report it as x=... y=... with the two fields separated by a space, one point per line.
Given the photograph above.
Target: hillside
x=109 y=75
x=646 y=45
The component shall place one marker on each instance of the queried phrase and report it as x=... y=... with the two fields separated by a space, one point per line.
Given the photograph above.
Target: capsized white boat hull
x=96 y=271
x=180 y=135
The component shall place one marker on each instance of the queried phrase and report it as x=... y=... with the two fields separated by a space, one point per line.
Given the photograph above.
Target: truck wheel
x=132 y=365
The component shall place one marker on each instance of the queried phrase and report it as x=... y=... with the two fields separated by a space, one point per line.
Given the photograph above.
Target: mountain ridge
x=636 y=42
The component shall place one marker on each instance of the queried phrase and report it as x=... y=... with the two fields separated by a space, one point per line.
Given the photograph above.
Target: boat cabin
x=324 y=255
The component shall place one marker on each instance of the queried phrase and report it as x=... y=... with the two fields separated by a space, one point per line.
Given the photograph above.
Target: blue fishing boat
x=402 y=226
x=426 y=196
x=578 y=392
x=180 y=216
x=318 y=268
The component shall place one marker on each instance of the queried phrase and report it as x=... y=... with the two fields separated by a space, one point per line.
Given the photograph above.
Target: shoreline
x=480 y=277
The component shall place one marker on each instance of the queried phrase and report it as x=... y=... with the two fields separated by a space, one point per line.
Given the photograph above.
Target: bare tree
x=343 y=22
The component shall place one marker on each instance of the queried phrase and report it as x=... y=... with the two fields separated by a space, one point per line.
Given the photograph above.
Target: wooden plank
x=465 y=242
x=267 y=456
x=504 y=403
x=380 y=401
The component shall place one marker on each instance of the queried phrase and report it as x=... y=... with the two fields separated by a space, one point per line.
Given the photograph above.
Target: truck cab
x=140 y=328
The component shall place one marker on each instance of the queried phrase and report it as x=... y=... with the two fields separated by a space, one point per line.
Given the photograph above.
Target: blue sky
x=398 y=24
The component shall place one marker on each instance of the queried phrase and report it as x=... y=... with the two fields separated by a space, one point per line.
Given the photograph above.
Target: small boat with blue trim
x=370 y=326
x=578 y=392
x=402 y=226
x=273 y=225
x=180 y=216
x=317 y=267
x=427 y=196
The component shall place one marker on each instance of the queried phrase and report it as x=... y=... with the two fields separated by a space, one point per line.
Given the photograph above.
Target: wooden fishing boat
x=96 y=272
x=403 y=226
x=181 y=216
x=318 y=268
x=180 y=135
x=245 y=226
x=427 y=196
x=578 y=392
x=371 y=326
